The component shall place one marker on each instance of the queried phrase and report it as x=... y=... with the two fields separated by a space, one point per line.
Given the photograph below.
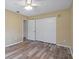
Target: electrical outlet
x=64 y=41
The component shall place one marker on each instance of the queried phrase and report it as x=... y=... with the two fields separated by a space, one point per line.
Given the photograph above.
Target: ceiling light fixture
x=28 y=5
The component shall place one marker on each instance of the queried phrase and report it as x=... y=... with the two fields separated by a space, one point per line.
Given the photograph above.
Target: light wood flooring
x=37 y=50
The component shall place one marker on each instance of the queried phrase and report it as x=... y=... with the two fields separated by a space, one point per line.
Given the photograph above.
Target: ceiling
x=44 y=6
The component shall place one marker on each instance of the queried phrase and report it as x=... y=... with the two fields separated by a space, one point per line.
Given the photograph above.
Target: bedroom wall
x=13 y=28
x=64 y=26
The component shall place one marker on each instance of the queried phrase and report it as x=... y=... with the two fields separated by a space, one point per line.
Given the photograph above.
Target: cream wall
x=64 y=29
x=13 y=28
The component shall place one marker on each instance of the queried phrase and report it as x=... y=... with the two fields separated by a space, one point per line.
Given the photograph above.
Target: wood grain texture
x=37 y=50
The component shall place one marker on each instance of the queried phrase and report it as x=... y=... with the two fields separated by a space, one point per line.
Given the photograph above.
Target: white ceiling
x=44 y=6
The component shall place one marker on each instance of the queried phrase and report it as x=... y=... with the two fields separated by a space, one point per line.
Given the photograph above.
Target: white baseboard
x=63 y=45
x=13 y=44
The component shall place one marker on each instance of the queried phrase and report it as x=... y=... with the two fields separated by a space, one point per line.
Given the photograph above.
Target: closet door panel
x=31 y=29
x=46 y=30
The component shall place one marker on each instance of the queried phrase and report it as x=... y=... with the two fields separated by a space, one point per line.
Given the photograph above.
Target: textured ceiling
x=44 y=6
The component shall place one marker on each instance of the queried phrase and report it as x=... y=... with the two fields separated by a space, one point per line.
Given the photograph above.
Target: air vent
x=18 y=11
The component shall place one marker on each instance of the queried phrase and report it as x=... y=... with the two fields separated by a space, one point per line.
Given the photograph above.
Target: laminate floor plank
x=37 y=50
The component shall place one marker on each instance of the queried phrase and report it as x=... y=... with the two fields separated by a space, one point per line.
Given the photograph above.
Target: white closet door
x=46 y=30
x=31 y=29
